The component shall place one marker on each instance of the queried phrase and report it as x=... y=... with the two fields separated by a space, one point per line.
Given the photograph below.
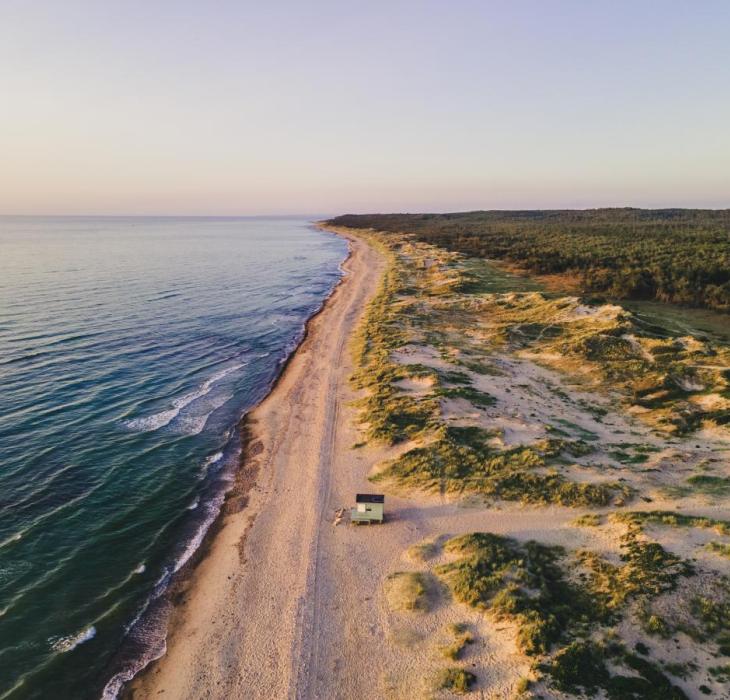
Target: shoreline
x=235 y=499
x=241 y=504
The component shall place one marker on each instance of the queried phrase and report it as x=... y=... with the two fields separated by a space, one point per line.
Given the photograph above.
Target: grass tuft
x=407 y=591
x=455 y=680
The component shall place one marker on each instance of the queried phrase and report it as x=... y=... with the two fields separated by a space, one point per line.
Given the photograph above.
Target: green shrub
x=578 y=668
x=521 y=582
x=455 y=680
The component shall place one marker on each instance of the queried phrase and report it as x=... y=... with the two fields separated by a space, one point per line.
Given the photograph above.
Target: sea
x=130 y=349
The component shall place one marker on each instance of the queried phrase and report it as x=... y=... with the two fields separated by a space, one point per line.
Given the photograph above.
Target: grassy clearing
x=407 y=591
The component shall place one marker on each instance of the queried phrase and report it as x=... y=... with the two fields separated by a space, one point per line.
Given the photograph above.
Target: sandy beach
x=249 y=623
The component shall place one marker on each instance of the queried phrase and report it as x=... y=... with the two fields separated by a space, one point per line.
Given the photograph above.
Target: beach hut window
x=361 y=507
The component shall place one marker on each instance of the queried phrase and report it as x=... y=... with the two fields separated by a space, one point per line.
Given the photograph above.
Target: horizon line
x=322 y=217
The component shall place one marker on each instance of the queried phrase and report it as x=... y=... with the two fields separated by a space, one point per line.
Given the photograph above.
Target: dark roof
x=369 y=498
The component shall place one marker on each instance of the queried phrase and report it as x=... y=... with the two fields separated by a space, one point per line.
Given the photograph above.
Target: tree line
x=681 y=256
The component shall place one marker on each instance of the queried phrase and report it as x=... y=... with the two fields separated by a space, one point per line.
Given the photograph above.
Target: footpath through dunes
x=244 y=623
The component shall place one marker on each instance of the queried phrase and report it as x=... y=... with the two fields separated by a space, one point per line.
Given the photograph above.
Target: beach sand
x=246 y=622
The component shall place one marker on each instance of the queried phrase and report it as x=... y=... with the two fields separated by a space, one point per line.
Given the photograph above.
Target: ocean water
x=129 y=350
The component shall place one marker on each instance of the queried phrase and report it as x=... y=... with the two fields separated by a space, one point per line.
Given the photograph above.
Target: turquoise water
x=129 y=349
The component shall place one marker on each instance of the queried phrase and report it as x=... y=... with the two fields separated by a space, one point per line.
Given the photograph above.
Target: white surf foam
x=197 y=423
x=194 y=423
x=115 y=684
x=217 y=457
x=13 y=538
x=64 y=644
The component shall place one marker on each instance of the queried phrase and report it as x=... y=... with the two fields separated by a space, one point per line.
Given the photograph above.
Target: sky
x=235 y=108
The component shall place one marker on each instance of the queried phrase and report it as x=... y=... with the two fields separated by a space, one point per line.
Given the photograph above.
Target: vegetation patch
x=580 y=668
x=459 y=460
x=423 y=551
x=407 y=591
x=713 y=614
x=647 y=571
x=462 y=638
x=671 y=519
x=559 y=617
x=389 y=414
x=679 y=383
x=520 y=582
x=473 y=396
x=720 y=548
x=587 y=520
x=455 y=680
x=721 y=673
x=710 y=485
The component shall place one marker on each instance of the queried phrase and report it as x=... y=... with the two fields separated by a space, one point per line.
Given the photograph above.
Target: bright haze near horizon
x=235 y=108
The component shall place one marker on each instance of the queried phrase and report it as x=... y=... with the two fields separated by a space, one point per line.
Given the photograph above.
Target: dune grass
x=462 y=638
x=407 y=591
x=449 y=459
x=647 y=570
x=587 y=520
x=720 y=548
x=580 y=668
x=519 y=582
x=455 y=680
x=671 y=519
x=557 y=615
x=460 y=461
x=423 y=551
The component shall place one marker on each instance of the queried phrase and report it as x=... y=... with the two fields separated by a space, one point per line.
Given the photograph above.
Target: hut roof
x=369 y=498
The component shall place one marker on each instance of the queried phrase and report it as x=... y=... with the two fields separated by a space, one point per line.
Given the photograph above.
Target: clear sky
x=217 y=107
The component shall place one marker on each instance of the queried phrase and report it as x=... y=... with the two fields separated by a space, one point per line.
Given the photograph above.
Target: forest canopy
x=680 y=256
